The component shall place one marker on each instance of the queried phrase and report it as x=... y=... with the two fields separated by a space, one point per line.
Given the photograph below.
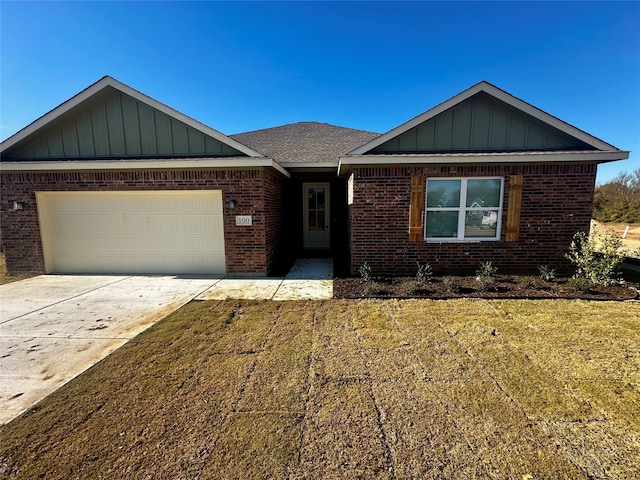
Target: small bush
x=486 y=276
x=451 y=284
x=411 y=287
x=579 y=284
x=424 y=273
x=547 y=274
x=532 y=283
x=596 y=258
x=373 y=288
x=366 y=272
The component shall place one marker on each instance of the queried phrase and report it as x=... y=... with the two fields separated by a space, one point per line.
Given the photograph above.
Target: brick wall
x=556 y=202
x=252 y=249
x=274 y=204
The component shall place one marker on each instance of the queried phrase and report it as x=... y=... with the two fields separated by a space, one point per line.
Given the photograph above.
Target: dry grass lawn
x=351 y=389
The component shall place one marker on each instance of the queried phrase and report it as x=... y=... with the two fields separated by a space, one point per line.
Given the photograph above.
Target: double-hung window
x=468 y=209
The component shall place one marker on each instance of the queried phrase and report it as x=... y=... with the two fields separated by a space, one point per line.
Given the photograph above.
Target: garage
x=145 y=232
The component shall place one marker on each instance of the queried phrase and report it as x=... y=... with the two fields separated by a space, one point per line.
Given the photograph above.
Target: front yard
x=351 y=389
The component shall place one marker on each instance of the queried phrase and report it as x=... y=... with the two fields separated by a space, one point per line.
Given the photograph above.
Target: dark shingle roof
x=305 y=142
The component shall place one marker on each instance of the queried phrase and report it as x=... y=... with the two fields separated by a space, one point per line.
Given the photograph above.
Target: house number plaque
x=243 y=220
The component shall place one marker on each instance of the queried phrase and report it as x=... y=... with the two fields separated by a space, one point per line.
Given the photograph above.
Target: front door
x=316 y=215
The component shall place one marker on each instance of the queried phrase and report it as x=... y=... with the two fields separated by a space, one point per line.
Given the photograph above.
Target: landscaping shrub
x=532 y=283
x=547 y=274
x=451 y=284
x=411 y=287
x=579 y=284
x=366 y=272
x=596 y=258
x=373 y=288
x=486 y=276
x=424 y=273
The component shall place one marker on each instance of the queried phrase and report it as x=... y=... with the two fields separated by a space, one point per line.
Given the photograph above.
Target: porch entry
x=316 y=221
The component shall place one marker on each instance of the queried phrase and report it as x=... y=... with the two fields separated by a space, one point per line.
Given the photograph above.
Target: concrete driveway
x=54 y=327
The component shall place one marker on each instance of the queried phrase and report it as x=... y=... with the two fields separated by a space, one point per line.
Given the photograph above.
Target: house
x=113 y=181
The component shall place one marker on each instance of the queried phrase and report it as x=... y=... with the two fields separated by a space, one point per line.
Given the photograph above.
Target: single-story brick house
x=113 y=181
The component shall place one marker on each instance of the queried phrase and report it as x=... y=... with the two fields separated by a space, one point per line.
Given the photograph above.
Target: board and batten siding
x=480 y=124
x=119 y=126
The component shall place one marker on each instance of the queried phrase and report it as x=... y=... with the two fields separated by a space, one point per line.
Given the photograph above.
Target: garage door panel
x=150 y=264
x=136 y=245
x=133 y=232
x=91 y=224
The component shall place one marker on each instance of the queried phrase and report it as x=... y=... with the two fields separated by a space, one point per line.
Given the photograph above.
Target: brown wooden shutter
x=514 y=207
x=416 y=209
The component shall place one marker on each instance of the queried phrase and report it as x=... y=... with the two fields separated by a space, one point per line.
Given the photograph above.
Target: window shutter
x=514 y=207
x=416 y=209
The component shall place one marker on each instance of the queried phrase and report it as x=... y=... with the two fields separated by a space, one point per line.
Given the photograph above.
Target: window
x=463 y=209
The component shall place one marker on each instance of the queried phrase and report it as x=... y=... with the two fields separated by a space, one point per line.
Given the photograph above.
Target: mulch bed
x=506 y=286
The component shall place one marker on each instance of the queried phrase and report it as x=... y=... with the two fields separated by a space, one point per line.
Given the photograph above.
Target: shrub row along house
x=113 y=181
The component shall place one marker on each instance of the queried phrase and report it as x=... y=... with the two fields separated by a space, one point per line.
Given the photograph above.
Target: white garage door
x=132 y=232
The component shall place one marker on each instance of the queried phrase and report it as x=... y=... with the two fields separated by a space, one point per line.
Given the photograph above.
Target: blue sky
x=240 y=66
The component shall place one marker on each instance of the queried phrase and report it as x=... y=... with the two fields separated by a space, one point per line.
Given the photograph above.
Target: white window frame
x=462 y=209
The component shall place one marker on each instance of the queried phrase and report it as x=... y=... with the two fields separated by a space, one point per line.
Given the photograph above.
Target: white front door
x=316 y=215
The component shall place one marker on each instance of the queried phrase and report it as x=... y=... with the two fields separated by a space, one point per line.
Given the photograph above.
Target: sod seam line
x=233 y=410
x=303 y=427
x=258 y=353
x=425 y=378
x=381 y=425
x=554 y=437
x=485 y=369
x=549 y=372
x=412 y=349
x=605 y=423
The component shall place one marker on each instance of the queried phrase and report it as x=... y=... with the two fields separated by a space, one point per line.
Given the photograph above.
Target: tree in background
x=618 y=201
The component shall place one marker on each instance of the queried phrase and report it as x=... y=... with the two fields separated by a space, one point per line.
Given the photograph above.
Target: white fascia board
x=347 y=162
x=500 y=95
x=141 y=97
x=155 y=164
x=309 y=165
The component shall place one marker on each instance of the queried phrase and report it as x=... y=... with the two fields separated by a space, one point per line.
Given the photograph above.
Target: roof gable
x=483 y=118
x=481 y=124
x=111 y=120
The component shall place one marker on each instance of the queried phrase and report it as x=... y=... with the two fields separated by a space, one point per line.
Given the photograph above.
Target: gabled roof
x=94 y=91
x=590 y=141
x=93 y=130
x=305 y=144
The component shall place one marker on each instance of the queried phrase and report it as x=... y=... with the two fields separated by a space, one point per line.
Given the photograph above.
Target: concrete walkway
x=309 y=278
x=54 y=327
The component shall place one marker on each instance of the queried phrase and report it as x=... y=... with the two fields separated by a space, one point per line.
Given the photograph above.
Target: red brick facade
x=249 y=250
x=556 y=202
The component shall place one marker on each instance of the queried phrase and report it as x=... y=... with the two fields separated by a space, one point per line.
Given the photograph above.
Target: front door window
x=316 y=215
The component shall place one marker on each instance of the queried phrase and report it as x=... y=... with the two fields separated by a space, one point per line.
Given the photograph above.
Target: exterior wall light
x=232 y=204
x=18 y=205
